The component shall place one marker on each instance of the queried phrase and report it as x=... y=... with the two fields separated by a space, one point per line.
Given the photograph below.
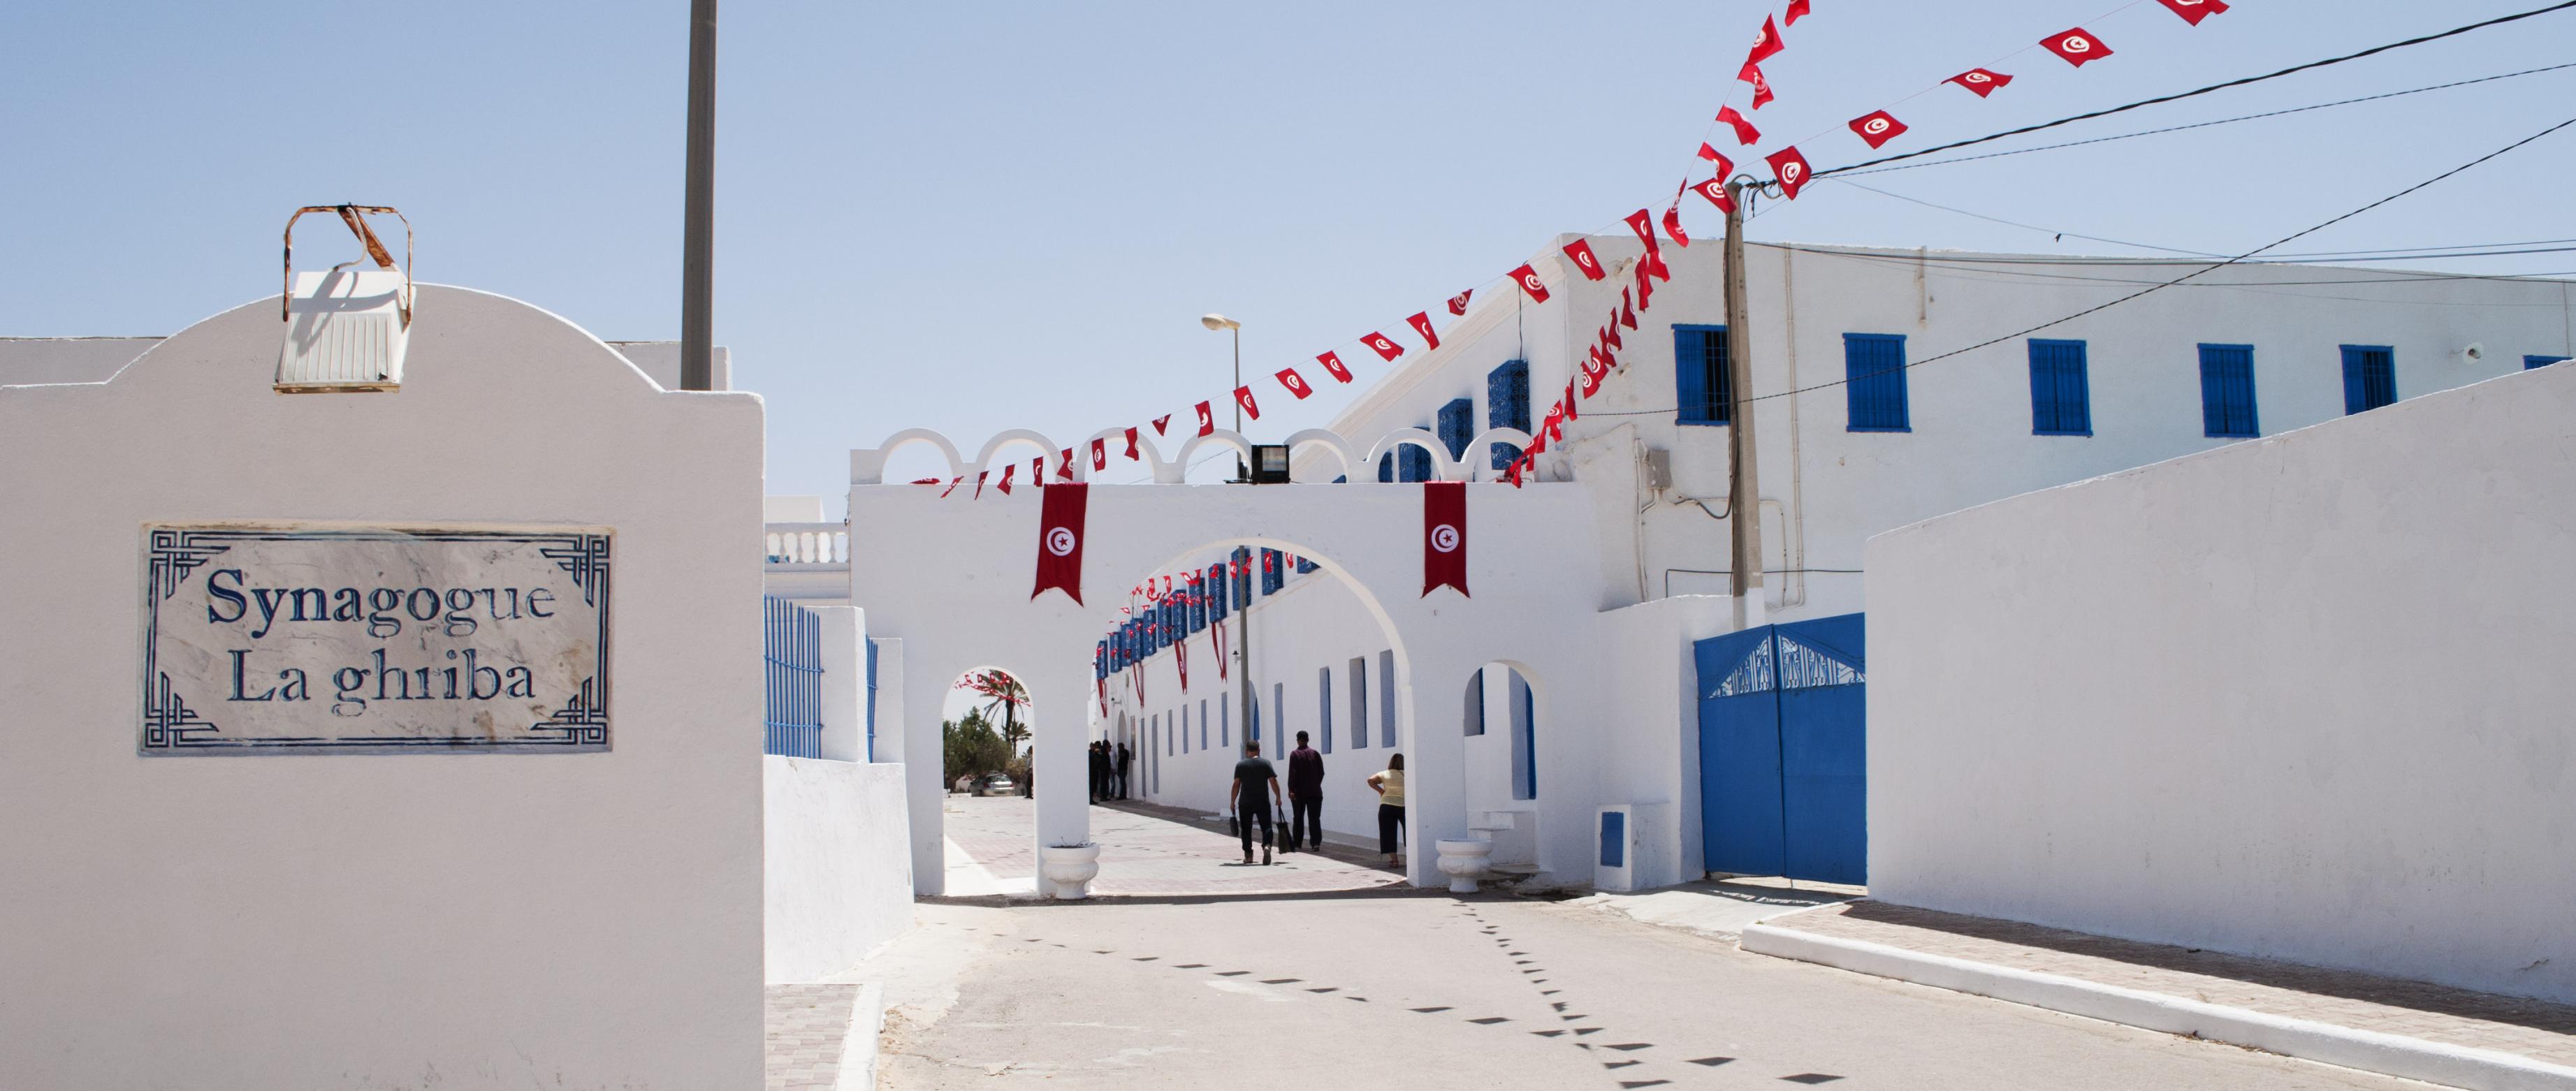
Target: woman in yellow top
x=1390 y=808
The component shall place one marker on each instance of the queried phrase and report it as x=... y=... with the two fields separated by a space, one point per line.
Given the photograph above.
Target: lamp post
x=1220 y=322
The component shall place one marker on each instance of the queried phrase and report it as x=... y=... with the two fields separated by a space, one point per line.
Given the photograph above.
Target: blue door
x=1783 y=751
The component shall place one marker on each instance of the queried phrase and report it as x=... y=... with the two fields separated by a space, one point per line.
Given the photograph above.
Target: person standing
x=1251 y=775
x=1125 y=759
x=1305 y=797
x=1099 y=769
x=1390 y=809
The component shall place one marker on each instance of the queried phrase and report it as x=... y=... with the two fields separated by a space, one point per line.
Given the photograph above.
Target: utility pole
x=1744 y=491
x=1243 y=648
x=698 y=230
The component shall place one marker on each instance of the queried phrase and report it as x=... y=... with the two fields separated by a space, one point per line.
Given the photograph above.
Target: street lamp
x=1221 y=322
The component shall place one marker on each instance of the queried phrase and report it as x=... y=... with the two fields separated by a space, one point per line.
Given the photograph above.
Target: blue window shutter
x=2227 y=409
x=2369 y=377
x=2531 y=362
x=1324 y=706
x=1703 y=388
x=1874 y=382
x=2060 y=403
x=1198 y=604
x=1413 y=463
x=1507 y=406
x=1274 y=571
x=1216 y=582
x=1386 y=698
x=1305 y=566
x=1457 y=425
x=1386 y=466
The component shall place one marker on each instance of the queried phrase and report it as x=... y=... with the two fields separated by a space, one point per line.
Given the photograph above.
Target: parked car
x=998 y=784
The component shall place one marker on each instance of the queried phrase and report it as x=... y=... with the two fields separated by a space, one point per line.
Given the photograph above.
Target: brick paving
x=807 y=1024
x=2536 y=1029
x=1153 y=851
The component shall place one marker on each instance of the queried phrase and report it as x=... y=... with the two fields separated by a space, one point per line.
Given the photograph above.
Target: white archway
x=950 y=577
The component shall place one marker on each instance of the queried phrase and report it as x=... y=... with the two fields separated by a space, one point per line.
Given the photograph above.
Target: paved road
x=1390 y=988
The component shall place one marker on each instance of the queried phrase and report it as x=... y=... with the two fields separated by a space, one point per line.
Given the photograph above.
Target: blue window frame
x=1507 y=405
x=2530 y=362
x=1181 y=724
x=2227 y=392
x=1216 y=595
x=1386 y=699
x=2061 y=403
x=1198 y=604
x=1203 y=723
x=1224 y=721
x=1274 y=571
x=2369 y=377
x=1457 y=425
x=1243 y=579
x=1359 y=702
x=1874 y=382
x=1703 y=382
x=1324 y=707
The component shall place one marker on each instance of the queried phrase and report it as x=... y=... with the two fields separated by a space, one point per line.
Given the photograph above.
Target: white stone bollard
x=1464 y=861
x=1068 y=871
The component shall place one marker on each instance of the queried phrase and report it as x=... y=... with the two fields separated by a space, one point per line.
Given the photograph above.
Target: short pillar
x=845 y=683
x=1063 y=770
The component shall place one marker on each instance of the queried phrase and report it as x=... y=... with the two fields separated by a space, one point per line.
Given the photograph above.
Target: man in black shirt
x=1125 y=758
x=1251 y=775
x=1305 y=797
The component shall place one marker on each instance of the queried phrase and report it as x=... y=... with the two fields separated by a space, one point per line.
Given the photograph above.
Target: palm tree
x=1003 y=695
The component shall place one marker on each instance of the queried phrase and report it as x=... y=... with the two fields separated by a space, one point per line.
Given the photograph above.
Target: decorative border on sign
x=171 y=727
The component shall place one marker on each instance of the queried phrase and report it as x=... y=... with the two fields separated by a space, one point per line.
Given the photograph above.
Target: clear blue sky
x=976 y=216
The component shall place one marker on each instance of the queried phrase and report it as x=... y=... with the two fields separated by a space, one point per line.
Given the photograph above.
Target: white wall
x=2302 y=698
x=838 y=864
x=382 y=920
x=1827 y=489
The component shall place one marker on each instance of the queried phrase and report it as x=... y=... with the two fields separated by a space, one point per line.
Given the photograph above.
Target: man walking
x=1125 y=758
x=1305 y=797
x=1251 y=775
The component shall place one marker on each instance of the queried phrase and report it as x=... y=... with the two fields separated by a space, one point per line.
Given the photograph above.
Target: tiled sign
x=269 y=640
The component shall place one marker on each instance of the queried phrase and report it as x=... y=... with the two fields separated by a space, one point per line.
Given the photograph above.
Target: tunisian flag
x=1295 y=383
x=1745 y=133
x=1878 y=128
x=1060 y=540
x=1980 y=80
x=1421 y=323
x=1792 y=168
x=1581 y=253
x=2076 y=46
x=1527 y=278
x=1333 y=363
x=1386 y=350
x=2193 y=11
x=1444 y=536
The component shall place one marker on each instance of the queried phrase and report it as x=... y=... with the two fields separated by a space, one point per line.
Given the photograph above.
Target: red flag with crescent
x=1673 y=226
x=1762 y=95
x=1064 y=469
x=1385 y=349
x=1643 y=223
x=1421 y=323
x=2076 y=46
x=1725 y=166
x=1207 y=418
x=2193 y=11
x=1243 y=397
x=1766 y=43
x=1099 y=454
x=1580 y=253
x=1745 y=133
x=1715 y=190
x=1527 y=278
x=1181 y=660
x=1792 y=170
x=1162 y=423
x=1627 y=314
x=1005 y=483
x=1458 y=303
x=1610 y=335
x=1131 y=445
x=1444 y=536
x=1797 y=10
x=1878 y=128
x=1295 y=383
x=1333 y=363
x=1982 y=81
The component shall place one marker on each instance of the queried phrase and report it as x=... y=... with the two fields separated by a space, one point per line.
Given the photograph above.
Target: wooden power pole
x=1744 y=491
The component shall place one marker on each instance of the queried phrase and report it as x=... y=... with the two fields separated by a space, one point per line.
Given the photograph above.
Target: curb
x=2369 y=1051
x=858 y=1071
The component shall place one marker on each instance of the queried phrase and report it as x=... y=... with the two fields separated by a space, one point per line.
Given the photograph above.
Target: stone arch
x=1179 y=468
x=1007 y=437
x=1329 y=440
x=1443 y=467
x=1477 y=448
x=867 y=466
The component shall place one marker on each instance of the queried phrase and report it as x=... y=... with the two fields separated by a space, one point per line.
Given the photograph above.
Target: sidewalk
x=2397 y=1027
x=1145 y=851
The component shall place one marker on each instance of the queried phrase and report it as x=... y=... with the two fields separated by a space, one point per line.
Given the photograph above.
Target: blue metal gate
x=791 y=651
x=1782 y=751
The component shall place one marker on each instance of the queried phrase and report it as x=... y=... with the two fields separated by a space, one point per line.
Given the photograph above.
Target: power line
x=2283 y=241
x=2179 y=96
x=2200 y=125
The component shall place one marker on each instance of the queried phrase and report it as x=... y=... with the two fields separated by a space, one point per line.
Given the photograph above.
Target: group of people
x=1303 y=807
x=1109 y=770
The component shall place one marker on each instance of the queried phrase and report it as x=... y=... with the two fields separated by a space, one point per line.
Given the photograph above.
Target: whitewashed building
x=1953 y=410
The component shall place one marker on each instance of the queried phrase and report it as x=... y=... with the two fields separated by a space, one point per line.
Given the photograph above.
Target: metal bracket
x=355 y=217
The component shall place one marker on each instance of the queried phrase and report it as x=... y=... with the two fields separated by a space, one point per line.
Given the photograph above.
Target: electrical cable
x=2179 y=96
x=2202 y=124
x=2284 y=240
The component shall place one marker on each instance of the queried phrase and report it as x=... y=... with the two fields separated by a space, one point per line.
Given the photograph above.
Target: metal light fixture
x=1221 y=324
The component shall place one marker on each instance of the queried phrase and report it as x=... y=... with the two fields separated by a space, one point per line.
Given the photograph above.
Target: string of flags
x=2074 y=45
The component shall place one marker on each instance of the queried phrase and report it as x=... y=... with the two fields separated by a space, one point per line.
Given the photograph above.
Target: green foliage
x=971 y=747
